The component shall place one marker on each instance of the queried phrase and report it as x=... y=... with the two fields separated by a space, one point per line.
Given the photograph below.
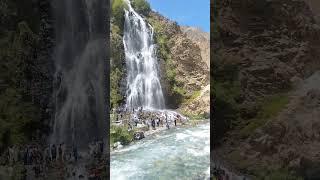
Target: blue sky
x=185 y=12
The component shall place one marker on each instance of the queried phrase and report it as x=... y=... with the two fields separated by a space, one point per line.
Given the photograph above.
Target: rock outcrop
x=191 y=70
x=202 y=39
x=275 y=47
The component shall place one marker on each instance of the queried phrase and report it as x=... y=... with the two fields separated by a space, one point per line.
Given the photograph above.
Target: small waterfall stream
x=143 y=82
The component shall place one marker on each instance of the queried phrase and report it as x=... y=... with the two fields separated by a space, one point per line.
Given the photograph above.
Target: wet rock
x=138 y=135
x=310 y=168
x=117 y=145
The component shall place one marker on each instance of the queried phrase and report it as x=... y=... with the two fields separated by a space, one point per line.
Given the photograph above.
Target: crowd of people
x=41 y=158
x=148 y=118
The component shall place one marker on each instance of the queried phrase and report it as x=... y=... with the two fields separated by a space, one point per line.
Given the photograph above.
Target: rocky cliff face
x=189 y=63
x=202 y=39
x=275 y=47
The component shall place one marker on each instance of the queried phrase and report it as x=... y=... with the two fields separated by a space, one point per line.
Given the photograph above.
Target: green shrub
x=117 y=12
x=175 y=91
x=115 y=96
x=19 y=116
x=226 y=109
x=117 y=63
x=18 y=119
x=270 y=107
x=120 y=134
x=141 y=6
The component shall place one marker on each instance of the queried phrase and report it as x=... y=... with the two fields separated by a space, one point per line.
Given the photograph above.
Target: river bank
x=159 y=129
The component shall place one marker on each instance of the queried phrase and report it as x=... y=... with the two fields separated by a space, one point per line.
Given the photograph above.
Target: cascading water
x=80 y=56
x=143 y=84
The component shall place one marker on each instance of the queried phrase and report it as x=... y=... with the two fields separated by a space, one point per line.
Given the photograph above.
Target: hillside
x=202 y=39
x=184 y=73
x=266 y=52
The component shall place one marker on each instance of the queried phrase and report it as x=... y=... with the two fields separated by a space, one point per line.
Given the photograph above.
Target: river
x=180 y=153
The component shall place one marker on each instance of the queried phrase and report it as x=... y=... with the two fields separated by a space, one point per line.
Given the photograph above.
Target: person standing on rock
x=60 y=152
x=101 y=146
x=53 y=152
x=25 y=157
x=47 y=154
x=153 y=123
x=11 y=154
x=175 y=122
x=167 y=124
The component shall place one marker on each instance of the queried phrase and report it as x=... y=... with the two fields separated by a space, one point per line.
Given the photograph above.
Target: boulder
x=117 y=144
x=138 y=135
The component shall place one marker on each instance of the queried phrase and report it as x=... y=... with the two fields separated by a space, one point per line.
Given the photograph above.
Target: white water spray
x=143 y=84
x=80 y=56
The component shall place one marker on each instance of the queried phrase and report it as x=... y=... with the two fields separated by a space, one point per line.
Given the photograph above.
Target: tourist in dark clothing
x=60 y=152
x=101 y=146
x=75 y=153
x=36 y=169
x=175 y=122
x=167 y=124
x=153 y=123
x=53 y=152
x=25 y=157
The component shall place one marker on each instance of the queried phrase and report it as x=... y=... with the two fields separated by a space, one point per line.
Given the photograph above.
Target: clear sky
x=185 y=12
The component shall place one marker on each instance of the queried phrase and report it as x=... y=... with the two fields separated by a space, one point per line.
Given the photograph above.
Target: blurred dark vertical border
x=212 y=98
x=107 y=82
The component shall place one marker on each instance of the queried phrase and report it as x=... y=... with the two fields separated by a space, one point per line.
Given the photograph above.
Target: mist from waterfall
x=143 y=82
x=80 y=56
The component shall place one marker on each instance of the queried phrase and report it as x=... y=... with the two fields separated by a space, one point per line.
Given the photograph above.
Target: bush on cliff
x=19 y=116
x=141 y=6
x=120 y=134
x=176 y=94
x=117 y=12
x=117 y=63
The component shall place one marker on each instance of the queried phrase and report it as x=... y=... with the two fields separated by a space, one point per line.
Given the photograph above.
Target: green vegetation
x=141 y=6
x=117 y=63
x=120 y=134
x=270 y=107
x=163 y=41
x=192 y=97
x=117 y=12
x=19 y=118
x=115 y=96
x=225 y=89
x=19 y=115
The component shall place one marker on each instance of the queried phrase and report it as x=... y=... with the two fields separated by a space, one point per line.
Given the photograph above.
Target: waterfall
x=143 y=84
x=80 y=56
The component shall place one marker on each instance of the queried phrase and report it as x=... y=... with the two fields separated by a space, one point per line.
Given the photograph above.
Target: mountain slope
x=264 y=52
x=202 y=39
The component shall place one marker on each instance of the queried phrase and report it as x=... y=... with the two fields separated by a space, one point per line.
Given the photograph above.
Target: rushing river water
x=181 y=153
